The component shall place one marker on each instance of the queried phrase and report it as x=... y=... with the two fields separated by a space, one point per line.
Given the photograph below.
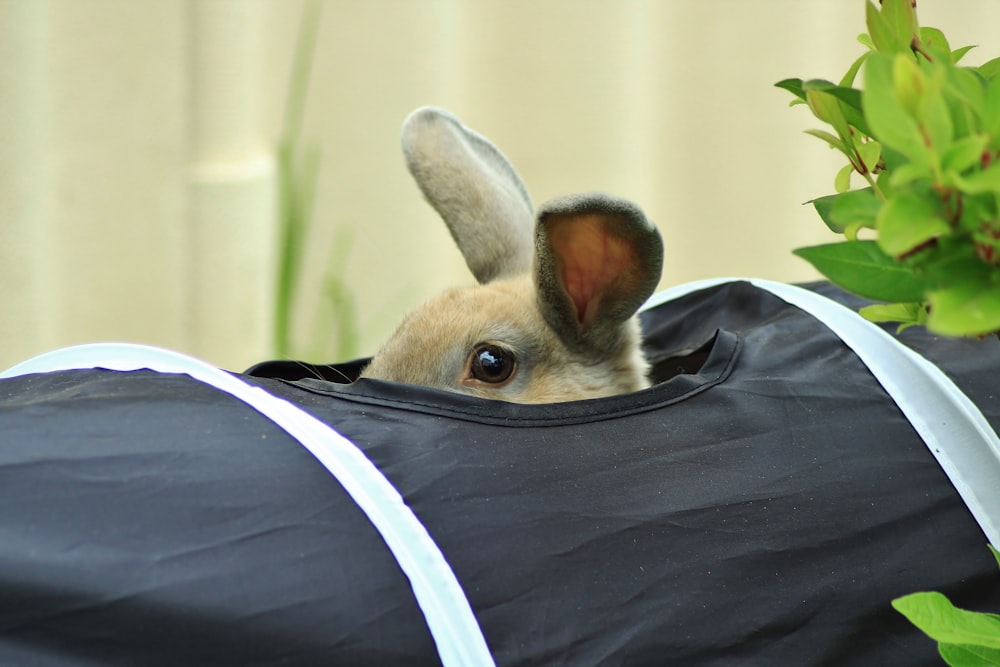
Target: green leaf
x=894 y=159
x=953 y=262
x=934 y=42
x=871 y=153
x=832 y=140
x=909 y=83
x=908 y=221
x=991 y=109
x=979 y=182
x=882 y=181
x=824 y=207
x=933 y=113
x=966 y=94
x=966 y=309
x=908 y=173
x=842 y=181
x=794 y=86
x=940 y=620
x=919 y=92
x=901 y=19
x=827 y=108
x=960 y=655
x=849 y=96
x=964 y=153
x=851 y=102
x=860 y=267
x=977 y=210
x=907 y=314
x=888 y=120
x=996 y=554
x=883 y=33
x=990 y=69
x=852 y=72
x=856 y=207
x=960 y=52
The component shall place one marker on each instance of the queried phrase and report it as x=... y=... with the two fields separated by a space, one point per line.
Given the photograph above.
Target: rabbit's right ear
x=474 y=188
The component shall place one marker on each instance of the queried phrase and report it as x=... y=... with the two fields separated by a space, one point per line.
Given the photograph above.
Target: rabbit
x=553 y=317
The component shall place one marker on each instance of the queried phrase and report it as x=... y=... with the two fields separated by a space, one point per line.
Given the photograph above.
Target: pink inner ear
x=590 y=260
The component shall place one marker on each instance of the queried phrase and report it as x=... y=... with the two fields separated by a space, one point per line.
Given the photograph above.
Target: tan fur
x=559 y=290
x=432 y=343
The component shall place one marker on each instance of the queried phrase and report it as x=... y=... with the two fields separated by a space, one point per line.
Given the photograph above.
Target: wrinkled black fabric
x=760 y=507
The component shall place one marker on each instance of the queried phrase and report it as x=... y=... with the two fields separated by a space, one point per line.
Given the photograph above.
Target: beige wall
x=137 y=169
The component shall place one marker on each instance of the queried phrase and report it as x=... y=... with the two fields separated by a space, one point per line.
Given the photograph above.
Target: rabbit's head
x=553 y=316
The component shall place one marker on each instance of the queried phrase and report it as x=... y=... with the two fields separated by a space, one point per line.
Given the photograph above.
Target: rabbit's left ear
x=597 y=260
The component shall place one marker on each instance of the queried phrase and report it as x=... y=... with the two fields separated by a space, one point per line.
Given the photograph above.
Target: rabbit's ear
x=475 y=190
x=597 y=260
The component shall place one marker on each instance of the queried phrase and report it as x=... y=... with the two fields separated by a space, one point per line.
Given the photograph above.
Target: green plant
x=965 y=638
x=298 y=171
x=298 y=168
x=923 y=233
x=923 y=133
x=341 y=305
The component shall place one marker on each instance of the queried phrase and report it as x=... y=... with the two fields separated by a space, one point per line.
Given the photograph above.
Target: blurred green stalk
x=297 y=173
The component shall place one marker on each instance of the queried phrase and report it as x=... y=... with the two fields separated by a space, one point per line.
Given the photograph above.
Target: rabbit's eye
x=492 y=363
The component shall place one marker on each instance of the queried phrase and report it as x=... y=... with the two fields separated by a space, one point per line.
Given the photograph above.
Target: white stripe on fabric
x=953 y=428
x=446 y=609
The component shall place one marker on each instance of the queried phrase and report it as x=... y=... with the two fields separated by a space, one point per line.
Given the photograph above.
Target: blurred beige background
x=138 y=139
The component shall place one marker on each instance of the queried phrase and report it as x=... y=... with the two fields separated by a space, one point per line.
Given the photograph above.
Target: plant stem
x=294 y=211
x=875 y=188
